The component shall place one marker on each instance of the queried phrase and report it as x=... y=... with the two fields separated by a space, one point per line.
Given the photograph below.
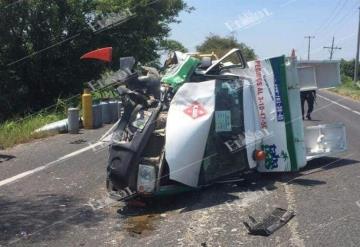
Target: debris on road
x=78 y=141
x=58 y=126
x=271 y=223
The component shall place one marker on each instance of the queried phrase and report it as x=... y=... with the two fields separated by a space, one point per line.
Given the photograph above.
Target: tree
x=221 y=45
x=172 y=45
x=347 y=68
x=47 y=39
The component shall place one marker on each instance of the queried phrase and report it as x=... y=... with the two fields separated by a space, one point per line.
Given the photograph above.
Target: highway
x=52 y=193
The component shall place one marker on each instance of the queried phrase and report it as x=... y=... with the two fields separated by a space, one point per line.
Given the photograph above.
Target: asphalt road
x=62 y=201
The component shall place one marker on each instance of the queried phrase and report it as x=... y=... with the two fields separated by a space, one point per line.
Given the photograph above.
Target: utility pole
x=309 y=37
x=357 y=54
x=332 y=48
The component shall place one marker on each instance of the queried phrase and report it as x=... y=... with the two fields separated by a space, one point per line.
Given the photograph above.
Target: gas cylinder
x=73 y=120
x=86 y=100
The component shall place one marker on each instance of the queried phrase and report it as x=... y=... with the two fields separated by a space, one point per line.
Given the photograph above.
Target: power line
x=333 y=13
x=78 y=34
x=322 y=24
x=332 y=48
x=69 y=39
x=309 y=37
x=352 y=10
x=333 y=18
x=330 y=17
x=45 y=49
x=335 y=21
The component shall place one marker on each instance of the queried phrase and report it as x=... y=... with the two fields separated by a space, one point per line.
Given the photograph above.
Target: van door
x=318 y=74
x=323 y=140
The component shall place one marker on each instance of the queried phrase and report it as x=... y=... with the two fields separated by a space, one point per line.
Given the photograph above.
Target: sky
x=274 y=27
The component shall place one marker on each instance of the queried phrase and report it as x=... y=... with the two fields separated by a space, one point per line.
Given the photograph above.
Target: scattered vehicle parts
x=270 y=223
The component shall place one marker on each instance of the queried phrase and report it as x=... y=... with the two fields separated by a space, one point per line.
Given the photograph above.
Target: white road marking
x=343 y=106
x=48 y=165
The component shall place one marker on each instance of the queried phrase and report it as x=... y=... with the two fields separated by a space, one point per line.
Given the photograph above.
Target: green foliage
x=172 y=45
x=15 y=132
x=347 y=68
x=348 y=88
x=32 y=27
x=221 y=45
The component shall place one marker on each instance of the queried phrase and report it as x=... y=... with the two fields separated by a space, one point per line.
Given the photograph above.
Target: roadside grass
x=16 y=131
x=13 y=132
x=347 y=88
x=21 y=131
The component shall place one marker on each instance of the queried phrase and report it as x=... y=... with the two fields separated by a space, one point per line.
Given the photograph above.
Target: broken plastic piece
x=269 y=224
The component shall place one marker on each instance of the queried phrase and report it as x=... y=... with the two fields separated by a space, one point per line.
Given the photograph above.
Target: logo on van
x=272 y=157
x=195 y=110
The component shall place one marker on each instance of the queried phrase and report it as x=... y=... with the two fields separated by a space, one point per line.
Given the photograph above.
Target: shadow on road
x=226 y=193
x=5 y=157
x=314 y=166
x=328 y=163
x=42 y=218
x=204 y=198
x=306 y=182
x=139 y=221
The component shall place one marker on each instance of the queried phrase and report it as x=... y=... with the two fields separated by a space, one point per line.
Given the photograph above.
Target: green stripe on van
x=278 y=66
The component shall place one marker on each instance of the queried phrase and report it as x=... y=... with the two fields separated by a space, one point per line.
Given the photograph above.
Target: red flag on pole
x=103 y=54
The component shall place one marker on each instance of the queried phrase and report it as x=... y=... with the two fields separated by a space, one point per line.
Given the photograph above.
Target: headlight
x=141 y=119
x=162 y=89
x=146 y=179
